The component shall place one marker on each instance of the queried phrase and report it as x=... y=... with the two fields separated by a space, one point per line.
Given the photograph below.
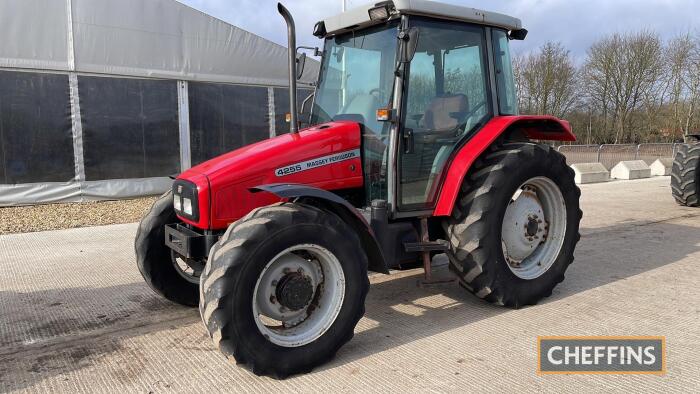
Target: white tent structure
x=106 y=98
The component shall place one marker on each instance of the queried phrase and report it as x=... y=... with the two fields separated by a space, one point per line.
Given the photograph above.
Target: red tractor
x=416 y=148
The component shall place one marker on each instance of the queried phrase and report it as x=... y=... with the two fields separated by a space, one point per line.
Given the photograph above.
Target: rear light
x=177 y=202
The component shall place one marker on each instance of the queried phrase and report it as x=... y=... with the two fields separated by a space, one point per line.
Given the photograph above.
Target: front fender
x=338 y=205
x=532 y=127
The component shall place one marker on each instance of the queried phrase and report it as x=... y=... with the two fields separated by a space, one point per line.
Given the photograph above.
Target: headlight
x=185 y=199
x=187 y=206
x=379 y=13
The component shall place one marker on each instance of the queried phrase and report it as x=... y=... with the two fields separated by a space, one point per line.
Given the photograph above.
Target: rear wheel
x=515 y=226
x=284 y=289
x=166 y=273
x=685 y=175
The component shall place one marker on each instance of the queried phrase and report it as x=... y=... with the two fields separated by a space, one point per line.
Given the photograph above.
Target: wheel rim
x=533 y=229
x=190 y=272
x=298 y=295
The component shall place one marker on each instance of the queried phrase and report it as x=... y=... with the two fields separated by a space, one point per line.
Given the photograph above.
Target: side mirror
x=517 y=34
x=301 y=62
x=410 y=39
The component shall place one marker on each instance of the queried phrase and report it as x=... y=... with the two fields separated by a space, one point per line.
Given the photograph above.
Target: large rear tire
x=155 y=260
x=284 y=289
x=515 y=225
x=685 y=175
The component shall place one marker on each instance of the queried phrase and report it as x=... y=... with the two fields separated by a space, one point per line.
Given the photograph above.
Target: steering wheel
x=473 y=111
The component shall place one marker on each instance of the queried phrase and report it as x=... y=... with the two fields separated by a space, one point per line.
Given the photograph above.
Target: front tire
x=155 y=260
x=515 y=225
x=284 y=289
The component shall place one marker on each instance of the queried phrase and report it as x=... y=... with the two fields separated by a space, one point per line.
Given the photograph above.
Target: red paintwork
x=223 y=182
x=534 y=127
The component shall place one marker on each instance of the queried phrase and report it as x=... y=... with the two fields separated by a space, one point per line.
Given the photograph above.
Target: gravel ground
x=61 y=216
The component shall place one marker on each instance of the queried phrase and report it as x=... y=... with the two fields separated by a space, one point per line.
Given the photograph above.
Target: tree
x=620 y=73
x=547 y=81
x=683 y=58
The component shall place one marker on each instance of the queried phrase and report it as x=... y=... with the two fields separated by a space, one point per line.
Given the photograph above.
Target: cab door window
x=446 y=99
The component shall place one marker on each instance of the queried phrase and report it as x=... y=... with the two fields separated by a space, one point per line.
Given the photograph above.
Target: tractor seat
x=445 y=112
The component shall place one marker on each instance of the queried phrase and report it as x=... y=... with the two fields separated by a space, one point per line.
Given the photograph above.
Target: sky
x=574 y=23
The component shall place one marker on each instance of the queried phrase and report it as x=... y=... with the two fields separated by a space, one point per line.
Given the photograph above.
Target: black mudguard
x=338 y=205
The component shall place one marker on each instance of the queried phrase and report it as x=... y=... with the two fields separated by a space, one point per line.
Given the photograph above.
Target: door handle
x=408 y=144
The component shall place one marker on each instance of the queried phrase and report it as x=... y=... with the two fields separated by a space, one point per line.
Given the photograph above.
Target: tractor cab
x=421 y=78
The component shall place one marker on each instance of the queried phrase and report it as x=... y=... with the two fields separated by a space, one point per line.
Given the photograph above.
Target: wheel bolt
x=274 y=283
x=300 y=270
x=273 y=299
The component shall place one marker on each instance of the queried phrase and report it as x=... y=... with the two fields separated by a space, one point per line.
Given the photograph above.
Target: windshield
x=357 y=74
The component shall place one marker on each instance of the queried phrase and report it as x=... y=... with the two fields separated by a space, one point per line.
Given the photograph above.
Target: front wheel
x=284 y=288
x=166 y=273
x=515 y=226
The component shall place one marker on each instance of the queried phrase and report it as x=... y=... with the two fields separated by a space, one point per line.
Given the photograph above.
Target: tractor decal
x=318 y=162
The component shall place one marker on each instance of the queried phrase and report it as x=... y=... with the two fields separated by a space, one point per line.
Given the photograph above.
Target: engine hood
x=326 y=156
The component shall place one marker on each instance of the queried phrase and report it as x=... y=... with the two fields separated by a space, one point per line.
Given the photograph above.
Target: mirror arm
x=317 y=52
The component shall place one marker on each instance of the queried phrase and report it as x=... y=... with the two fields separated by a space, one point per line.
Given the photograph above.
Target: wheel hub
x=298 y=295
x=524 y=227
x=294 y=291
x=533 y=229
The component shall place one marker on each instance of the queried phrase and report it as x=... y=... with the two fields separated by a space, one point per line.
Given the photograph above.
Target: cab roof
x=359 y=17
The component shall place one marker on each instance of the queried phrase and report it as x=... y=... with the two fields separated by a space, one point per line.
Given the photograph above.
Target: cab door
x=446 y=98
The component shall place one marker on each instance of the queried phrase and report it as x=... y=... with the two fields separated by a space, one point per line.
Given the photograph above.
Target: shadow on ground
x=649 y=246
x=396 y=309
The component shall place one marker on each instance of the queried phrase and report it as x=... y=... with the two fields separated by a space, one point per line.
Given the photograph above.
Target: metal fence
x=580 y=153
x=611 y=154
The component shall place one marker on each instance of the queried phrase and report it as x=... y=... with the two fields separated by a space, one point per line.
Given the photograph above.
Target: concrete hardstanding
x=75 y=316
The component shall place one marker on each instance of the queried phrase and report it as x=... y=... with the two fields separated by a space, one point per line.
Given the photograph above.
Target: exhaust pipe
x=292 y=43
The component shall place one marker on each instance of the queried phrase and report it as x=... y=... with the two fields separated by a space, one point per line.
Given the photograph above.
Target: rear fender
x=530 y=127
x=332 y=202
